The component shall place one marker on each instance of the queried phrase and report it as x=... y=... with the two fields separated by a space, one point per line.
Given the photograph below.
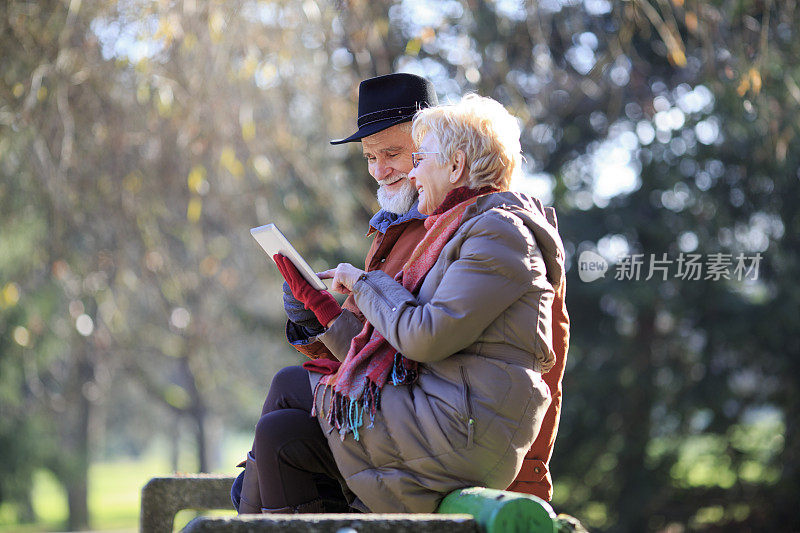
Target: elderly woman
x=442 y=387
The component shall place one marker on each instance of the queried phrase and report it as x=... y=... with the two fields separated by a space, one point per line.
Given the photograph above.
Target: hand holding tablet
x=274 y=242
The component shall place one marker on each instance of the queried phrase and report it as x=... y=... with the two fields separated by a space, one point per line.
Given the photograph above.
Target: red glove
x=321 y=303
x=322 y=366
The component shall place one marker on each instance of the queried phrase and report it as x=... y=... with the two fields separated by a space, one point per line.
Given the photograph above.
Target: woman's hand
x=344 y=277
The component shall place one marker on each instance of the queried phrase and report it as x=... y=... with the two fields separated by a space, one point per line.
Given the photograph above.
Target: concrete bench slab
x=163 y=497
x=335 y=523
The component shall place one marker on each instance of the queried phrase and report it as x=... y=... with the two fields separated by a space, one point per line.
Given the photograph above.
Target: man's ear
x=458 y=166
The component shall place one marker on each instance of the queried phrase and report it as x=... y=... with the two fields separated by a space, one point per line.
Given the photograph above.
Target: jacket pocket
x=470 y=420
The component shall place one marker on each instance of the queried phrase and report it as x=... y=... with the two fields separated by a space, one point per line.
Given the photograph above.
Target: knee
x=265 y=431
x=277 y=428
x=282 y=387
x=284 y=375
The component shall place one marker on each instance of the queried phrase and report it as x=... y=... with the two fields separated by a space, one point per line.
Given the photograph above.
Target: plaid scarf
x=371 y=361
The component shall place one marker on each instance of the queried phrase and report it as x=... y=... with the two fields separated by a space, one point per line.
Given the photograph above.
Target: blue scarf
x=383 y=219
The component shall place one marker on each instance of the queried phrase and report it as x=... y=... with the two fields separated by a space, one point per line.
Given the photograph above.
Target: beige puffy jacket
x=481 y=329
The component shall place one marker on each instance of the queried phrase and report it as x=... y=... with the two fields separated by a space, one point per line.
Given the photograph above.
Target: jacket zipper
x=468 y=402
x=378 y=291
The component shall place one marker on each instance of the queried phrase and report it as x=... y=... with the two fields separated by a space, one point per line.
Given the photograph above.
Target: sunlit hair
x=405 y=127
x=482 y=129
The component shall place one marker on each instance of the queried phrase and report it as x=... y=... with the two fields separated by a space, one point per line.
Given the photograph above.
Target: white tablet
x=273 y=242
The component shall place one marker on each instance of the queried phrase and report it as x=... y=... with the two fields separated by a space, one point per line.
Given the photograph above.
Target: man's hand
x=344 y=277
x=321 y=303
x=296 y=311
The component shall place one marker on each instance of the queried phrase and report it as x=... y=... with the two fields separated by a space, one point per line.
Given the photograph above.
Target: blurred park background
x=140 y=324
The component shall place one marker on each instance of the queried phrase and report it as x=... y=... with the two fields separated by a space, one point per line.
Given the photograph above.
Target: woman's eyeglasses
x=415 y=157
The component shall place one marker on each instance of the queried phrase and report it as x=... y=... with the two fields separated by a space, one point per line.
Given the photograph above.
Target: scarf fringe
x=314 y=399
x=404 y=370
x=346 y=415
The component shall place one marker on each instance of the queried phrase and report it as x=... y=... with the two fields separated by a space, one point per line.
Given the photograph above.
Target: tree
x=140 y=140
x=135 y=170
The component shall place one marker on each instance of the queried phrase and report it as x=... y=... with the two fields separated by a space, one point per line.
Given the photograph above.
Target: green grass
x=114 y=493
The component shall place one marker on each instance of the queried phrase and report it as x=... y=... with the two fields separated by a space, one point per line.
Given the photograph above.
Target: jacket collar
x=383 y=220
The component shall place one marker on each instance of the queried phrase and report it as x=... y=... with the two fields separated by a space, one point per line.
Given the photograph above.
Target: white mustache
x=387 y=181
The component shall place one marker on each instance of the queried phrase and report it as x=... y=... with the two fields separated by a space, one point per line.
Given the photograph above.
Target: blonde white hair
x=481 y=128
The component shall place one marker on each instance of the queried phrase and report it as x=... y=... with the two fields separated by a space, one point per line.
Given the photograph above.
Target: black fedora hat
x=388 y=100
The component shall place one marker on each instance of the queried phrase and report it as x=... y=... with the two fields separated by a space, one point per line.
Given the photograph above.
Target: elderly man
x=386 y=105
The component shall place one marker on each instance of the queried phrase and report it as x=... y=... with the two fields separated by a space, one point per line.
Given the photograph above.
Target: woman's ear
x=458 y=166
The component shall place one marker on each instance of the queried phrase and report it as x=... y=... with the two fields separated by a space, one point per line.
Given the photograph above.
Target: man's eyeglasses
x=415 y=157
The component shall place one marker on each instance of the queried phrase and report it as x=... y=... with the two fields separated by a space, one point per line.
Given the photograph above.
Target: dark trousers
x=295 y=464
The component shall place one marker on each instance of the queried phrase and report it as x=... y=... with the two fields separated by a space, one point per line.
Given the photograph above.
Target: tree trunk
x=199 y=414
x=26 y=512
x=77 y=479
x=636 y=491
x=77 y=491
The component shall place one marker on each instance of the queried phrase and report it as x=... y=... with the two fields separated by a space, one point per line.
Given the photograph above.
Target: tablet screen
x=274 y=242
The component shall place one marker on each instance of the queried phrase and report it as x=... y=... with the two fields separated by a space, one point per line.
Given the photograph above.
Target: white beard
x=400 y=201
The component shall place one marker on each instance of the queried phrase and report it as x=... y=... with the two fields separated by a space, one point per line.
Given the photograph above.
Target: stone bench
x=472 y=510
x=335 y=523
x=163 y=497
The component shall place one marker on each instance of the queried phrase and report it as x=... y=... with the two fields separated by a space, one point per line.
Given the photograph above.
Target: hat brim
x=370 y=129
